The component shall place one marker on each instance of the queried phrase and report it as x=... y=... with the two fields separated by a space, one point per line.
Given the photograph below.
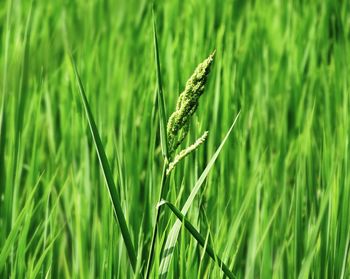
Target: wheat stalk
x=177 y=129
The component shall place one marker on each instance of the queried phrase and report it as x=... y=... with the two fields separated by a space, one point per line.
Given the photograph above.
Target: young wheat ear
x=187 y=103
x=186 y=151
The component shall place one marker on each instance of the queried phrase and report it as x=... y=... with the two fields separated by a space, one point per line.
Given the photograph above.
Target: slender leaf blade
x=106 y=172
x=200 y=239
x=160 y=96
x=17 y=226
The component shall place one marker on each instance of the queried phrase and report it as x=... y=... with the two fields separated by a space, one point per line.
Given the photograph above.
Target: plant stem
x=155 y=229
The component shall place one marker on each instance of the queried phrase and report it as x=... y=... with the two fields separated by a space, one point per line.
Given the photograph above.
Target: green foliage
x=276 y=203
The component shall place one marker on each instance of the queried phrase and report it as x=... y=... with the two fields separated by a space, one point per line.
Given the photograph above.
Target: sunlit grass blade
x=172 y=237
x=200 y=239
x=106 y=172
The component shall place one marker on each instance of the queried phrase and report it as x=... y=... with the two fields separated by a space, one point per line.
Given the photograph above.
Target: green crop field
x=106 y=171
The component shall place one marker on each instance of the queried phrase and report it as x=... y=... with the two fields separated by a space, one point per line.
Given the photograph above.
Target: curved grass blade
x=173 y=234
x=200 y=239
x=106 y=172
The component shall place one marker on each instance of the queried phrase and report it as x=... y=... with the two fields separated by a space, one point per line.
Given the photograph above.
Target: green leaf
x=106 y=172
x=200 y=239
x=161 y=104
x=172 y=237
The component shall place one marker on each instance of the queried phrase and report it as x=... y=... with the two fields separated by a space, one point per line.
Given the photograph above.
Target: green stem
x=155 y=229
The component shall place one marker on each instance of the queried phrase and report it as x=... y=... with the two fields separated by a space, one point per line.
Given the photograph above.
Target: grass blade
x=313 y=236
x=163 y=139
x=161 y=104
x=39 y=263
x=17 y=226
x=200 y=239
x=172 y=237
x=107 y=173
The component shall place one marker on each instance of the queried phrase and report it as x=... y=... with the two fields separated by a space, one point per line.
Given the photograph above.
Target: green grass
x=276 y=203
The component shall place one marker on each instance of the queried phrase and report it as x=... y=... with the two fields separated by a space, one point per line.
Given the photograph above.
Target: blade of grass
x=106 y=172
x=163 y=139
x=172 y=237
x=11 y=208
x=38 y=265
x=17 y=226
x=313 y=235
x=200 y=239
x=2 y=151
x=155 y=229
x=2 y=113
x=161 y=104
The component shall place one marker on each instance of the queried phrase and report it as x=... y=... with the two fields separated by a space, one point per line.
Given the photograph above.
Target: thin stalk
x=155 y=229
x=163 y=140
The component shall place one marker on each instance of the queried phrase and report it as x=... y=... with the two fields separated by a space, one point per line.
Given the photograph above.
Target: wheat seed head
x=186 y=151
x=187 y=103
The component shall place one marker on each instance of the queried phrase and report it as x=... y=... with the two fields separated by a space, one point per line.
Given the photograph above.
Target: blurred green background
x=277 y=202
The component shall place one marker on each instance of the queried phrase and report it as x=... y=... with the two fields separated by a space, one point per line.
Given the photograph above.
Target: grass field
x=275 y=203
